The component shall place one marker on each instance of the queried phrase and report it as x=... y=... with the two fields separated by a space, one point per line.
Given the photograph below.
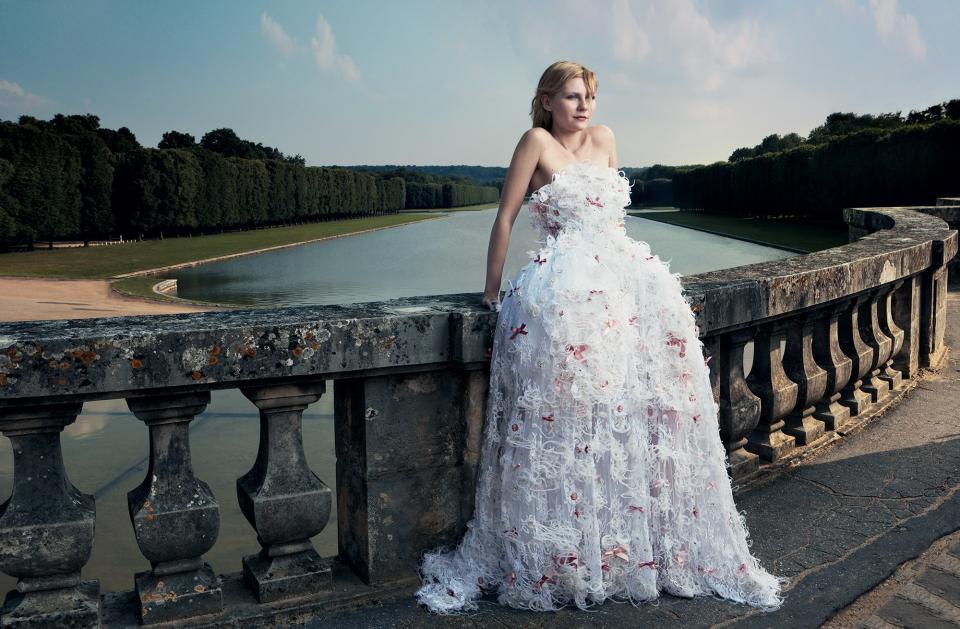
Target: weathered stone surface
x=283 y=499
x=75 y=607
x=860 y=354
x=800 y=367
x=125 y=355
x=880 y=343
x=933 y=304
x=897 y=243
x=46 y=526
x=892 y=376
x=178 y=595
x=777 y=393
x=399 y=469
x=839 y=368
x=739 y=408
x=114 y=356
x=175 y=516
x=474 y=412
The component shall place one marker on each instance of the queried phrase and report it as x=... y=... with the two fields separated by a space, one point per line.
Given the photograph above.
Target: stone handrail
x=834 y=332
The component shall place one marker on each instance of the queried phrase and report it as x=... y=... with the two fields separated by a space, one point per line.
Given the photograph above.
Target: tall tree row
x=69 y=178
x=908 y=165
x=180 y=191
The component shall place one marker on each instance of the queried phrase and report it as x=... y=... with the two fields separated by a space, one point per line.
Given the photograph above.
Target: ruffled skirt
x=602 y=474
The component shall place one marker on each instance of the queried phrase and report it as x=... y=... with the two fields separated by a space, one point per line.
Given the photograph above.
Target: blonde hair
x=552 y=81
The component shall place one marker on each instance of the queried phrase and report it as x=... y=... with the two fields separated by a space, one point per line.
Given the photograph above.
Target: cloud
x=13 y=96
x=675 y=35
x=893 y=26
x=630 y=40
x=898 y=28
x=277 y=36
x=324 y=49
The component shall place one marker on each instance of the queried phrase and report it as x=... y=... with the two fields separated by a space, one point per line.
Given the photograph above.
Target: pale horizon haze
x=447 y=82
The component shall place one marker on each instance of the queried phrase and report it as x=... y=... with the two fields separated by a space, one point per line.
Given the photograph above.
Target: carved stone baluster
x=892 y=376
x=46 y=527
x=906 y=313
x=933 y=313
x=739 y=408
x=777 y=393
x=860 y=355
x=880 y=343
x=811 y=379
x=284 y=501
x=175 y=516
x=826 y=351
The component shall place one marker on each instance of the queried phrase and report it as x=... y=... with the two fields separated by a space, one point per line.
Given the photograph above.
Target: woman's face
x=571 y=107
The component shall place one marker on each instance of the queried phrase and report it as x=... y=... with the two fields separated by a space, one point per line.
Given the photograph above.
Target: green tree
x=177 y=140
x=120 y=141
x=96 y=176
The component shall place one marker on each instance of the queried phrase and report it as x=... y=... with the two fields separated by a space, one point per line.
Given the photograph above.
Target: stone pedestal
x=175 y=516
x=892 y=376
x=860 y=354
x=905 y=310
x=739 y=408
x=777 y=393
x=880 y=343
x=283 y=499
x=827 y=353
x=801 y=367
x=933 y=315
x=46 y=527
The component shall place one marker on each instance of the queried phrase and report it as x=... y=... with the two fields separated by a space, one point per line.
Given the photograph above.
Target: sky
x=450 y=82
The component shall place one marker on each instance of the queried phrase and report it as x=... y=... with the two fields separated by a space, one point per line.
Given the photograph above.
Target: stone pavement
x=930 y=600
x=844 y=525
x=922 y=593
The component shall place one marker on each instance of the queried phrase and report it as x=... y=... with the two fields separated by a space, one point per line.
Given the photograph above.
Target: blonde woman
x=602 y=474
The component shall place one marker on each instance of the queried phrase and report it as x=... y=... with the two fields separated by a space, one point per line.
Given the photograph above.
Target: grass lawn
x=111 y=260
x=784 y=232
x=464 y=208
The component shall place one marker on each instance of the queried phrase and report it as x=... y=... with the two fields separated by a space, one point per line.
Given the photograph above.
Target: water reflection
x=434 y=257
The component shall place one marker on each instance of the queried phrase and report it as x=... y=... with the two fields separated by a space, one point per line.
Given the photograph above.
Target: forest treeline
x=67 y=177
x=850 y=160
x=445 y=186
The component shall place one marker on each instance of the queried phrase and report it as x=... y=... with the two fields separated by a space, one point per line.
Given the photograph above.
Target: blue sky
x=448 y=82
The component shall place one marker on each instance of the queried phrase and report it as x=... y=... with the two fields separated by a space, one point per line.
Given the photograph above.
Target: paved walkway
x=846 y=526
x=930 y=599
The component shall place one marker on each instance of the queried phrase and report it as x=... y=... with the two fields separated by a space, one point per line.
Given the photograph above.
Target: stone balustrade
x=834 y=334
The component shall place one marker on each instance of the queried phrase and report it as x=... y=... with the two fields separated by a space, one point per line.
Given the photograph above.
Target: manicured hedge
x=910 y=165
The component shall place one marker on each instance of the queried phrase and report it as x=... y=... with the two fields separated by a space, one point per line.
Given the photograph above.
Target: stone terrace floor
x=867 y=530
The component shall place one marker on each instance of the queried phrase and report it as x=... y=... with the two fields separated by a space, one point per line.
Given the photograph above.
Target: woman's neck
x=570 y=140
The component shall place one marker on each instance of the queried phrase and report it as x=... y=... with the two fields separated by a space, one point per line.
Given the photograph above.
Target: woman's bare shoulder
x=603 y=132
x=536 y=135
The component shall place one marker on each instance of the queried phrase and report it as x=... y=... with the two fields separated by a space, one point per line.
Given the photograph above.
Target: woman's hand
x=491 y=301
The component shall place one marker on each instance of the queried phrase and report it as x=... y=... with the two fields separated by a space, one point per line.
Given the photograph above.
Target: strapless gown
x=602 y=474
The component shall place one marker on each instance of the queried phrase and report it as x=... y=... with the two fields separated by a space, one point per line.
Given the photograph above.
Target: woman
x=602 y=475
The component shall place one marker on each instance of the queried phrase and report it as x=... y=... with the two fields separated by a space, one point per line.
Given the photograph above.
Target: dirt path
x=28 y=299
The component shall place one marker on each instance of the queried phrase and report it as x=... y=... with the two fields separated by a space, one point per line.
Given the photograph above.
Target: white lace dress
x=602 y=474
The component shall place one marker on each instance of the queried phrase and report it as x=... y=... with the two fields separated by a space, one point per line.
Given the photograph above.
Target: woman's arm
x=526 y=156
x=611 y=142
